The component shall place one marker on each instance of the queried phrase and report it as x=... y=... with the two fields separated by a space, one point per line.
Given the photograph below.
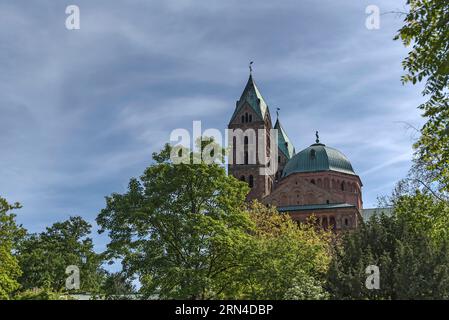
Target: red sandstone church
x=318 y=180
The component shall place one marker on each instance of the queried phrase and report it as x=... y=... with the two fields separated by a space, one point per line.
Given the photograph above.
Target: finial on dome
x=317 y=137
x=251 y=67
x=277 y=112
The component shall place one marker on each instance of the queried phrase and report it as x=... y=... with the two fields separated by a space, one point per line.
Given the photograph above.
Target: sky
x=81 y=111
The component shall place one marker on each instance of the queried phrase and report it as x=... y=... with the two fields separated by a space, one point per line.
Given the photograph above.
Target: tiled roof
x=284 y=143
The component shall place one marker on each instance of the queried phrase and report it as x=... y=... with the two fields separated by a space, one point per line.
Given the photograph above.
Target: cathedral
x=318 y=180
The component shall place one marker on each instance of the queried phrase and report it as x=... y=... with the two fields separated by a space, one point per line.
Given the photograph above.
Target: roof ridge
x=259 y=106
x=287 y=150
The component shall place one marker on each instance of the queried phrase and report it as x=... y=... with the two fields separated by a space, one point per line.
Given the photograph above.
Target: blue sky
x=82 y=111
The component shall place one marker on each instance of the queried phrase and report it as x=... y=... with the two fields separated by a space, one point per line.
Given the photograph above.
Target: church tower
x=251 y=112
x=286 y=150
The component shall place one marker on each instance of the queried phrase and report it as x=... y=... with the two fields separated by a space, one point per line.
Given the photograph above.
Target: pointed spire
x=253 y=97
x=284 y=143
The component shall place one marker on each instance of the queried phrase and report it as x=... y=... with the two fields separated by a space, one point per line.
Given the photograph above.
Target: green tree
x=284 y=260
x=117 y=286
x=410 y=248
x=41 y=294
x=44 y=257
x=426 y=28
x=180 y=228
x=10 y=233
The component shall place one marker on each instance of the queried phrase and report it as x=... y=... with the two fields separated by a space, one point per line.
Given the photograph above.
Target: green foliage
x=424 y=214
x=41 y=294
x=186 y=233
x=44 y=257
x=427 y=29
x=284 y=260
x=10 y=233
x=410 y=248
x=179 y=228
x=117 y=286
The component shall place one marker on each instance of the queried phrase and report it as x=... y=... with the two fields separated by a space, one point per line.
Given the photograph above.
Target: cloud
x=82 y=111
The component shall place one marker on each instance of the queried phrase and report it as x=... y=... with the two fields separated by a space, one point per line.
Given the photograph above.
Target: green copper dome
x=318 y=157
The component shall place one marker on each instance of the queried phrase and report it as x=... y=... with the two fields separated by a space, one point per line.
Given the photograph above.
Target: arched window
x=251 y=181
x=243 y=118
x=246 y=157
x=246 y=117
x=324 y=223
x=234 y=150
x=242 y=178
x=332 y=223
x=246 y=140
x=250 y=118
x=312 y=153
x=312 y=181
x=343 y=186
x=346 y=222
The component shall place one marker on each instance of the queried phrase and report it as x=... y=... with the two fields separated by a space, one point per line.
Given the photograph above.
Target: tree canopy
x=410 y=247
x=426 y=29
x=44 y=257
x=10 y=233
x=285 y=260
x=186 y=231
x=179 y=228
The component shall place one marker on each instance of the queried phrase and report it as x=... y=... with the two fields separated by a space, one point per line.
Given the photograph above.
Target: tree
x=44 y=257
x=117 y=286
x=427 y=28
x=284 y=260
x=180 y=228
x=10 y=233
x=410 y=247
x=41 y=294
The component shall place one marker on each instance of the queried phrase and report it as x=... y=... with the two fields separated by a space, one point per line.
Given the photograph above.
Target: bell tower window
x=234 y=149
